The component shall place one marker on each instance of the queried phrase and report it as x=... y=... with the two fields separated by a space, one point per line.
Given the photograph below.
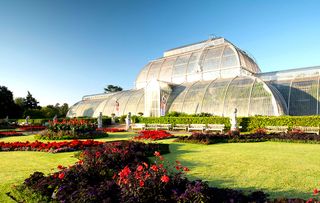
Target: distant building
x=212 y=76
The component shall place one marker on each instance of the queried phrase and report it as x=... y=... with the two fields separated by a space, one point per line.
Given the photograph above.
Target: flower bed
x=53 y=147
x=96 y=178
x=260 y=136
x=71 y=129
x=31 y=128
x=113 y=130
x=153 y=135
x=10 y=133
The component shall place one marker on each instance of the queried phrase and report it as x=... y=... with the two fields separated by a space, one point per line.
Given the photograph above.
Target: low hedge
x=208 y=138
x=41 y=121
x=247 y=123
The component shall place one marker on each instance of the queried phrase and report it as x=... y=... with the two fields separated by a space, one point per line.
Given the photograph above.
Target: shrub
x=10 y=133
x=208 y=138
x=90 y=179
x=153 y=135
x=71 y=129
x=248 y=123
x=53 y=147
x=113 y=130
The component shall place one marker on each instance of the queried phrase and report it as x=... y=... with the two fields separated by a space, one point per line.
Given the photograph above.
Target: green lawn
x=17 y=166
x=280 y=169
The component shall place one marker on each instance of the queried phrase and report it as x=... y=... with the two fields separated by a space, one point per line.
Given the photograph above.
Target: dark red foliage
x=49 y=146
x=113 y=130
x=31 y=128
x=153 y=135
x=10 y=133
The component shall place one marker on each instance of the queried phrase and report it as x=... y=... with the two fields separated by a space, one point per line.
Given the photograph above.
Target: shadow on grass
x=229 y=183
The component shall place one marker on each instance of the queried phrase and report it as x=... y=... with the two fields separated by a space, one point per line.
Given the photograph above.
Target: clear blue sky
x=61 y=50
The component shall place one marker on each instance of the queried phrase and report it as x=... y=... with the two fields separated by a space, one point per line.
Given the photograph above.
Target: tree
x=30 y=102
x=7 y=105
x=112 y=88
x=64 y=110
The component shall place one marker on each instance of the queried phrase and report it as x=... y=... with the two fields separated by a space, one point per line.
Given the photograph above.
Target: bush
x=71 y=129
x=91 y=179
x=248 y=123
x=153 y=135
x=96 y=178
x=208 y=138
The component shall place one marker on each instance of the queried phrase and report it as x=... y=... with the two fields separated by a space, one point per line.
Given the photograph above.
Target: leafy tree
x=112 y=88
x=30 y=102
x=64 y=110
x=7 y=105
x=19 y=101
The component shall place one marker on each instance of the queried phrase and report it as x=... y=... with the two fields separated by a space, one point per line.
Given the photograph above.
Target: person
x=128 y=121
x=27 y=120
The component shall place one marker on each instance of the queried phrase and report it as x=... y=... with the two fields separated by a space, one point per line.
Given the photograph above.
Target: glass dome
x=212 y=76
x=216 y=58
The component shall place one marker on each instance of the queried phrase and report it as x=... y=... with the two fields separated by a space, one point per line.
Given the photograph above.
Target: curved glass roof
x=207 y=60
x=214 y=77
x=250 y=95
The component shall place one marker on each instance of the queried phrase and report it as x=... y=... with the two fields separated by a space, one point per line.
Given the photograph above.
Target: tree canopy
x=30 y=102
x=7 y=105
x=112 y=88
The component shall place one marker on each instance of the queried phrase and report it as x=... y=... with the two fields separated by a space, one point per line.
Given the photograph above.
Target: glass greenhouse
x=212 y=76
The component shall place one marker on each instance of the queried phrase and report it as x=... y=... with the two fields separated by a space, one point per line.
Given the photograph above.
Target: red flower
x=186 y=169
x=141 y=183
x=165 y=179
x=145 y=164
x=60 y=167
x=140 y=168
x=309 y=200
x=80 y=162
x=315 y=191
x=61 y=175
x=98 y=154
x=154 y=168
x=178 y=168
x=156 y=153
x=125 y=172
x=178 y=162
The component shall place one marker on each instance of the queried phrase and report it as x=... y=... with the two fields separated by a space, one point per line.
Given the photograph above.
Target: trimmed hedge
x=42 y=121
x=247 y=123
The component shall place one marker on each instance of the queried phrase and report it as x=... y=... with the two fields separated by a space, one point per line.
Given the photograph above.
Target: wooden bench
x=163 y=127
x=201 y=127
x=151 y=126
x=158 y=126
x=215 y=127
x=307 y=129
x=180 y=127
x=140 y=126
x=277 y=129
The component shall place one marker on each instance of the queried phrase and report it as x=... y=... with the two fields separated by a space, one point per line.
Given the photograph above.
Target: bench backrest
x=197 y=125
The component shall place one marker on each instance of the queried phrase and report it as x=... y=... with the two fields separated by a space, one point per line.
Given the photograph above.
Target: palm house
x=212 y=76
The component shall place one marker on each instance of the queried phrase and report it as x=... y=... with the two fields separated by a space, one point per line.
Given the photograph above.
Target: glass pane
x=214 y=96
x=193 y=99
x=166 y=70
x=154 y=70
x=303 y=96
x=237 y=96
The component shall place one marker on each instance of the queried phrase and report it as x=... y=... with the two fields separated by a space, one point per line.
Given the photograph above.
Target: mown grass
x=17 y=166
x=280 y=169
